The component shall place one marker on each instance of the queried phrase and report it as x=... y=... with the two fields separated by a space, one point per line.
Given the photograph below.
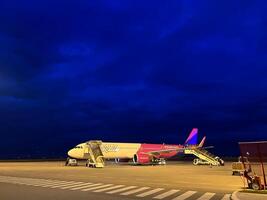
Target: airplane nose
x=71 y=153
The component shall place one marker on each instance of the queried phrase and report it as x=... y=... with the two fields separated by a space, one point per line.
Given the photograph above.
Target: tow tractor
x=243 y=168
x=253 y=158
x=253 y=180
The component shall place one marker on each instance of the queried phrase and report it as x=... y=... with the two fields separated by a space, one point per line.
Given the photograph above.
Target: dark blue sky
x=137 y=71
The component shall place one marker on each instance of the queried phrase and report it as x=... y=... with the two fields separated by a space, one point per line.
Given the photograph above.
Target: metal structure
x=255 y=172
x=95 y=155
x=204 y=157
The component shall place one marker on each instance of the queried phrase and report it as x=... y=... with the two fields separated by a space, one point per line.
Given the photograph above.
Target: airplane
x=139 y=153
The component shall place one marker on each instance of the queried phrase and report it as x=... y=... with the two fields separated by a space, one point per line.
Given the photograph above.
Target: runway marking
x=29 y=181
x=185 y=195
x=86 y=186
x=39 y=182
x=97 y=187
x=45 y=184
x=166 y=194
x=48 y=182
x=206 y=196
x=109 y=188
x=150 y=192
x=226 y=197
x=135 y=191
x=55 y=184
x=66 y=184
x=121 y=190
x=8 y=179
x=75 y=185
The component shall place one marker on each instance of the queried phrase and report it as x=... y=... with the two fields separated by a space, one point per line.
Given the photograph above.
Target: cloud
x=131 y=71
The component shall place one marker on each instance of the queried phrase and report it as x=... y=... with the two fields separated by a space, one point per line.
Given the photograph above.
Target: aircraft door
x=86 y=153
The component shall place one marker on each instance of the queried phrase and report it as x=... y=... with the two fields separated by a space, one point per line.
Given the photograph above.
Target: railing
x=96 y=155
x=203 y=155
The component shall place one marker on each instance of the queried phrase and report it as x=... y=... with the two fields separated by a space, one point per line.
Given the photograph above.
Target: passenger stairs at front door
x=95 y=155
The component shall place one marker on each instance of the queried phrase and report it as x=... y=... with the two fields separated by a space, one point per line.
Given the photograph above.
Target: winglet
x=192 y=138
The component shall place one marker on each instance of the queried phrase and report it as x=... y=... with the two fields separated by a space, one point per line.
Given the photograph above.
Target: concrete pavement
x=242 y=195
x=176 y=180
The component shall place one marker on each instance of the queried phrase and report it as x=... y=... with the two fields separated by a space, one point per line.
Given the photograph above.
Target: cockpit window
x=78 y=147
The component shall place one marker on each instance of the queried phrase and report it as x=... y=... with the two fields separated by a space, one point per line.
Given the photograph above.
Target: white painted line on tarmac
x=50 y=184
x=206 y=196
x=135 y=191
x=22 y=179
x=234 y=196
x=66 y=184
x=75 y=185
x=109 y=188
x=53 y=182
x=166 y=194
x=12 y=182
x=86 y=186
x=226 y=197
x=97 y=187
x=44 y=183
x=121 y=190
x=150 y=192
x=185 y=195
x=6 y=180
x=33 y=182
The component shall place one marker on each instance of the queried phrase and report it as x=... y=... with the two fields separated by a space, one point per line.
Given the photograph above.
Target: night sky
x=131 y=71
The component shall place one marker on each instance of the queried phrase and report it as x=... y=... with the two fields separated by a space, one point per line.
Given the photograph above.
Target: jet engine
x=141 y=159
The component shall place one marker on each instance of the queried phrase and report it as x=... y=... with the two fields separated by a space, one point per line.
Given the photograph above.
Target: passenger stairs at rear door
x=204 y=157
x=96 y=157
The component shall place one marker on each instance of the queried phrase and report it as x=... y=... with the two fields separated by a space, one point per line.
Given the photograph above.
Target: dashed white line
x=226 y=197
x=46 y=184
x=97 y=187
x=166 y=194
x=135 y=191
x=206 y=196
x=185 y=195
x=150 y=192
x=66 y=184
x=75 y=185
x=121 y=190
x=86 y=186
x=109 y=188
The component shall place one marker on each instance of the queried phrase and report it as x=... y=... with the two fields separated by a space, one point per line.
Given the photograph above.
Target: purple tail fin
x=192 y=138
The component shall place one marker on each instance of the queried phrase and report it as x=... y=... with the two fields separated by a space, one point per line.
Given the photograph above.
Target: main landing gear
x=159 y=161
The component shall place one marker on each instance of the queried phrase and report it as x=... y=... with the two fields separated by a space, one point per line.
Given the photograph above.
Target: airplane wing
x=156 y=153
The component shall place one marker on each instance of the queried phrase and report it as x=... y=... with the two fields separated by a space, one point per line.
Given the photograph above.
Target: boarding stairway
x=94 y=154
x=204 y=157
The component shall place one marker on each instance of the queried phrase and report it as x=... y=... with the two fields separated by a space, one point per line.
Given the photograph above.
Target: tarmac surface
x=176 y=181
